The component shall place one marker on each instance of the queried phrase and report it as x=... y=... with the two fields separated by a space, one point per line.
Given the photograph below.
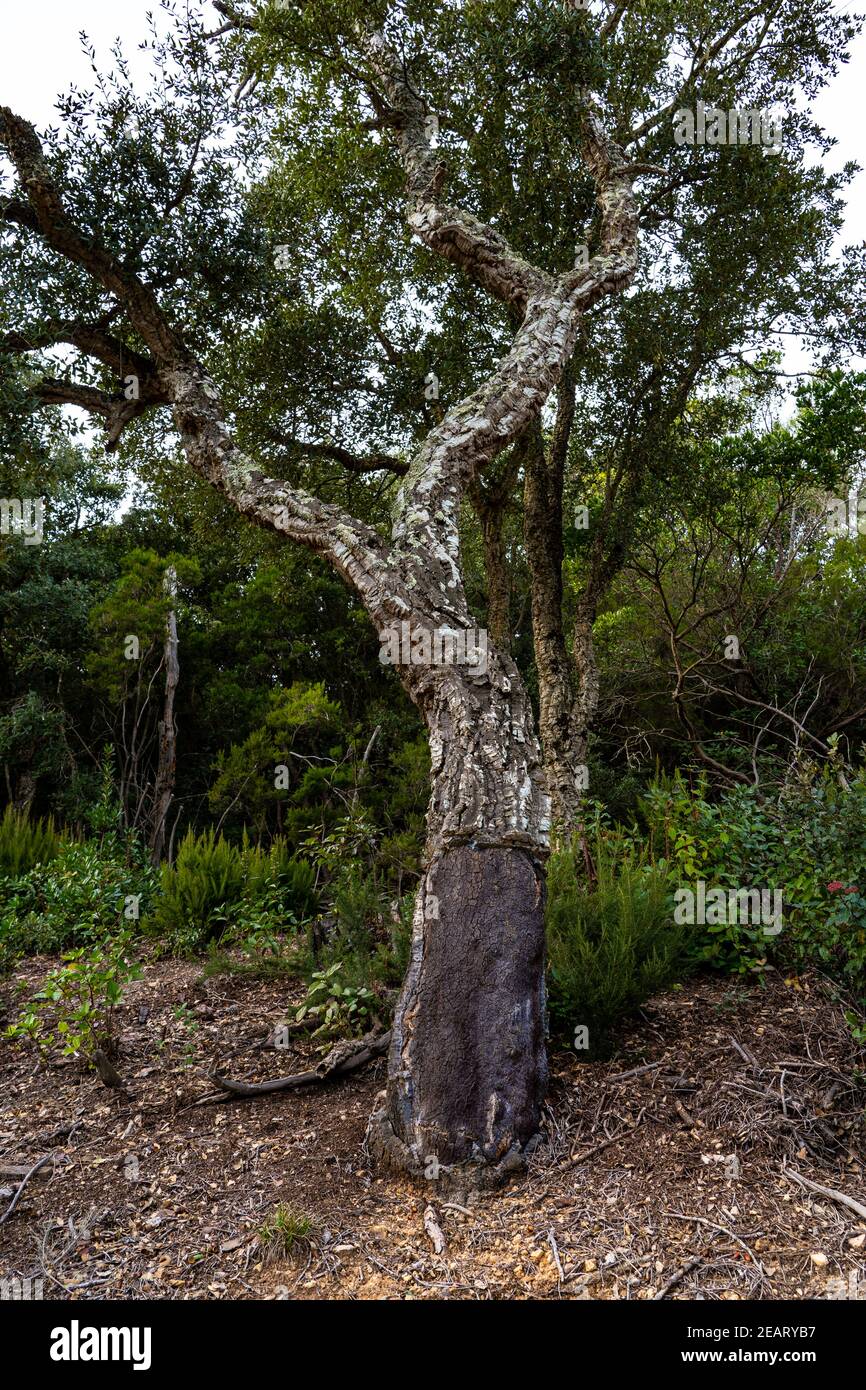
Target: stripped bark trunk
x=467 y=1071
x=163 y=790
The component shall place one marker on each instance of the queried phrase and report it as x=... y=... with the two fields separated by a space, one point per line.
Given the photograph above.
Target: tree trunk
x=491 y=518
x=544 y=545
x=586 y=666
x=163 y=790
x=491 y=499
x=467 y=1068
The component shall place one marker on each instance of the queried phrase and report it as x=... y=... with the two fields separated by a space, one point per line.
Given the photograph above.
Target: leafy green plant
x=337 y=1009
x=611 y=946
x=260 y=934
x=78 y=896
x=810 y=843
x=187 y=1024
x=197 y=892
x=219 y=892
x=74 y=1011
x=285 y=883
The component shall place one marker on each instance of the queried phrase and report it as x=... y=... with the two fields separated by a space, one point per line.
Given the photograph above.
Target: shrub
x=287 y=884
x=810 y=843
x=25 y=843
x=609 y=947
x=215 y=888
x=76 y=897
x=338 y=1010
x=260 y=935
x=369 y=935
x=284 y=1231
x=195 y=894
x=73 y=1013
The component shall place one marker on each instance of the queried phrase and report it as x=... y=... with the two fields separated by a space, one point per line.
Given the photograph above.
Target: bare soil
x=668 y=1182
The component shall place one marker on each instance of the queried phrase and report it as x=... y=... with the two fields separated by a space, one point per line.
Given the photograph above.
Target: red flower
x=836 y=886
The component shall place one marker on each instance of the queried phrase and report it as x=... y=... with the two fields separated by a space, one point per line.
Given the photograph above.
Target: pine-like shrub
x=197 y=893
x=25 y=842
x=609 y=947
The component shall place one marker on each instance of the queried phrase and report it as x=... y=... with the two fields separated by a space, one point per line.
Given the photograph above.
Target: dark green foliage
x=609 y=947
x=286 y=884
x=214 y=885
x=810 y=843
x=196 y=894
x=87 y=890
x=368 y=933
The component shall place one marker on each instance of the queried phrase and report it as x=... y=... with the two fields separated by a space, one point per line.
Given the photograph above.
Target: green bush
x=335 y=1009
x=610 y=947
x=215 y=888
x=810 y=843
x=196 y=893
x=88 y=888
x=369 y=939
x=73 y=1013
x=25 y=843
x=287 y=884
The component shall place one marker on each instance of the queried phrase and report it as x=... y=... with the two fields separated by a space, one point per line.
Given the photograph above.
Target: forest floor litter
x=720 y=1154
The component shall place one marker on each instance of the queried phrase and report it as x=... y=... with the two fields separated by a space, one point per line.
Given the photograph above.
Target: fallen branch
x=434 y=1231
x=747 y=1056
x=554 y=1250
x=702 y=1221
x=829 y=1192
x=606 y=1143
x=16 y=1170
x=675 y=1278
x=24 y=1181
x=636 y=1071
x=340 y=1061
x=684 y=1114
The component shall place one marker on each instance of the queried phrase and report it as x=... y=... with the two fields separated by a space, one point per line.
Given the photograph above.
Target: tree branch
x=63 y=236
x=451 y=232
x=355 y=463
x=353 y=548
x=700 y=64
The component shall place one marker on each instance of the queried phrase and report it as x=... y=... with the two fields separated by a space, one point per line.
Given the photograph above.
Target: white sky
x=41 y=56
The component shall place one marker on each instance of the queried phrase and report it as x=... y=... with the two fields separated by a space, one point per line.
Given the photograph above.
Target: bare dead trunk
x=163 y=790
x=25 y=792
x=467 y=1069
